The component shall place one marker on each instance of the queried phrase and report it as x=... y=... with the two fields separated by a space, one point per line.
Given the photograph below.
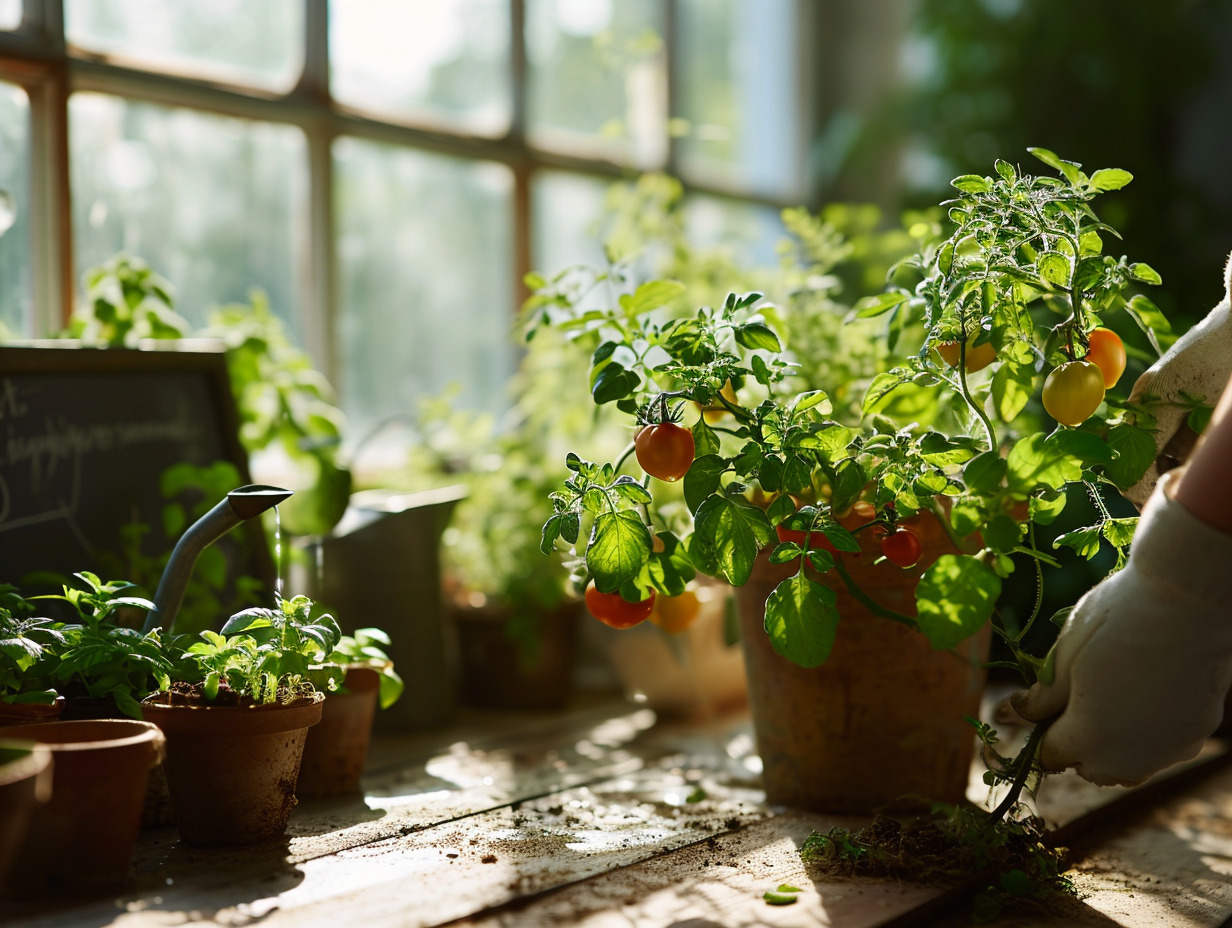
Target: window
x=386 y=170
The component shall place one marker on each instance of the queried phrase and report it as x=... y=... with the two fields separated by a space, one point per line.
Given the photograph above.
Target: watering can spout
x=237 y=507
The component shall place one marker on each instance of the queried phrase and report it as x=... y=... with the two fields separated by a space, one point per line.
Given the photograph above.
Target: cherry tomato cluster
x=1074 y=390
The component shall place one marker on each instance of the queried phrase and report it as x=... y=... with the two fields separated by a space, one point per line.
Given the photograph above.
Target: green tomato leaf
x=757 y=335
x=984 y=473
x=801 y=620
x=1120 y=532
x=1145 y=273
x=1002 y=534
x=1152 y=322
x=670 y=569
x=702 y=479
x=619 y=548
x=1083 y=540
x=1085 y=446
x=1034 y=462
x=814 y=399
x=1054 y=267
x=954 y=599
x=705 y=441
x=878 y=304
x=732 y=531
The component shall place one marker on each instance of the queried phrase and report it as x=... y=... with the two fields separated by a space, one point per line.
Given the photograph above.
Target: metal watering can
x=236 y=507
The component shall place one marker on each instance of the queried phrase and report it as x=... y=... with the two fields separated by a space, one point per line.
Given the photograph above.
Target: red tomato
x=1108 y=354
x=611 y=609
x=862 y=513
x=901 y=547
x=1073 y=391
x=978 y=356
x=664 y=450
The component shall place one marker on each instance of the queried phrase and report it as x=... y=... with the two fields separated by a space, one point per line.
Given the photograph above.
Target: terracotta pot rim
x=22 y=768
x=300 y=702
x=73 y=737
x=233 y=721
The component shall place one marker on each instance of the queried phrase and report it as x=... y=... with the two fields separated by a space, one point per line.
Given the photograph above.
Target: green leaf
x=884 y=384
x=702 y=479
x=1083 y=540
x=650 y=296
x=732 y=531
x=801 y=620
x=971 y=183
x=1002 y=534
x=613 y=382
x=1006 y=170
x=1153 y=322
x=705 y=441
x=1033 y=463
x=1011 y=389
x=1109 y=179
x=1133 y=451
x=1145 y=273
x=1067 y=168
x=619 y=548
x=1054 y=267
x=878 y=304
x=814 y=399
x=984 y=473
x=1085 y=446
x=1120 y=532
x=954 y=598
x=757 y=335
x=780 y=898
x=671 y=569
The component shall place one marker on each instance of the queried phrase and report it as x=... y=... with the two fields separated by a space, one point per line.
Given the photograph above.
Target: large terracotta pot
x=497 y=671
x=885 y=716
x=83 y=838
x=337 y=747
x=232 y=769
x=25 y=782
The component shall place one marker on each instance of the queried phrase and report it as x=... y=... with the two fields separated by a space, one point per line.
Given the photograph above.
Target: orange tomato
x=674 y=614
x=978 y=356
x=1107 y=352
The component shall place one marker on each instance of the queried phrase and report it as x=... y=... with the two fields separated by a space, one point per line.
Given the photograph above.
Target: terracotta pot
x=83 y=838
x=232 y=769
x=885 y=716
x=27 y=713
x=497 y=671
x=25 y=783
x=337 y=747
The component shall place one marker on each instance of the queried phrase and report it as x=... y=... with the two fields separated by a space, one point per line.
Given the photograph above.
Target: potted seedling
x=357 y=678
x=869 y=549
x=236 y=715
x=25 y=639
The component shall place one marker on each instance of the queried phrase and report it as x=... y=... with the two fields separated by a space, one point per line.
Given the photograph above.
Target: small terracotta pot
x=337 y=747
x=496 y=671
x=25 y=783
x=232 y=769
x=83 y=838
x=27 y=713
x=885 y=716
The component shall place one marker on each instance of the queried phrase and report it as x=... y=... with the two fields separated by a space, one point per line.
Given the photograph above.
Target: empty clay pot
x=83 y=838
x=25 y=782
x=232 y=769
x=337 y=747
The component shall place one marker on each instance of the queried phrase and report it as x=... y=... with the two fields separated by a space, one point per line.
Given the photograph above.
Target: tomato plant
x=1073 y=391
x=614 y=610
x=665 y=450
x=902 y=547
x=978 y=356
x=1107 y=352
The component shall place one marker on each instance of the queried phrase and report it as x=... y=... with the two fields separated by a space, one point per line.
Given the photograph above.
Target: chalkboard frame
x=202 y=358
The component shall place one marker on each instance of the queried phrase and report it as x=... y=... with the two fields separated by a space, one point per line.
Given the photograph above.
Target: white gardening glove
x=1144 y=661
x=1197 y=365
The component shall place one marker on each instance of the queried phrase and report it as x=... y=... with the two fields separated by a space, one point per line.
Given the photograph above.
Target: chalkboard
x=85 y=437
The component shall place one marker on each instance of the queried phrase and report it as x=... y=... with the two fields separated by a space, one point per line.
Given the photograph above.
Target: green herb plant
x=98 y=656
x=363 y=648
x=1019 y=276
x=262 y=655
x=25 y=640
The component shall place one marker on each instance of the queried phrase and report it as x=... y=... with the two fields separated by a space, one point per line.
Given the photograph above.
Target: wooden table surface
x=604 y=816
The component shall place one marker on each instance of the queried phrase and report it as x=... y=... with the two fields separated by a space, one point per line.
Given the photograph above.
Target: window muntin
x=16 y=295
x=236 y=41
x=216 y=205
x=434 y=61
x=424 y=247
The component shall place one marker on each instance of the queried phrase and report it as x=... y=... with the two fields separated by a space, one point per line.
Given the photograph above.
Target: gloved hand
x=1144 y=661
x=1198 y=365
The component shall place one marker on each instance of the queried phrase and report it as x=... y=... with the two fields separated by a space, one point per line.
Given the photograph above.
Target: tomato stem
x=868 y=602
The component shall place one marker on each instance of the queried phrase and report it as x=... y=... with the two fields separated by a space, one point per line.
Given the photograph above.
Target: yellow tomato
x=978 y=356
x=1073 y=391
x=676 y=613
x=713 y=414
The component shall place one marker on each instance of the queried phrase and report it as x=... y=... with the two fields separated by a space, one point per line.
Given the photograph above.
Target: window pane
x=216 y=205
x=739 y=96
x=10 y=14
x=236 y=41
x=567 y=210
x=16 y=298
x=426 y=275
x=424 y=60
x=597 y=80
